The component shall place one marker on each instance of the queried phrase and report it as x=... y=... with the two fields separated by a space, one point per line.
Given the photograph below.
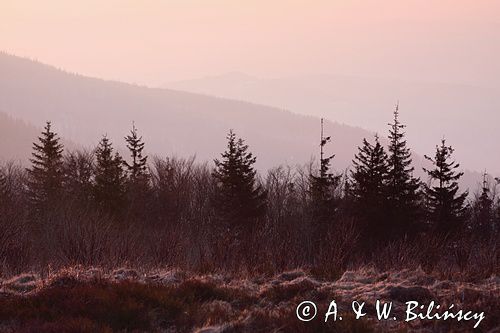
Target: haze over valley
x=347 y=61
x=465 y=114
x=172 y=122
x=82 y=109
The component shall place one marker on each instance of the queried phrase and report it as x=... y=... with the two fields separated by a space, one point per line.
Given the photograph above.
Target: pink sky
x=153 y=42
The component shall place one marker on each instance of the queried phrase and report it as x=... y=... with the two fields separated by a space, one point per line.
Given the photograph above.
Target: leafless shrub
x=79 y=236
x=178 y=228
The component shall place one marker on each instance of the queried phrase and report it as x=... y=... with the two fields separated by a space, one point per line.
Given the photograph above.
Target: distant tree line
x=101 y=208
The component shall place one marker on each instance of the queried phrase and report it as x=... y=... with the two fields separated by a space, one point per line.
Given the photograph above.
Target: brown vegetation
x=93 y=300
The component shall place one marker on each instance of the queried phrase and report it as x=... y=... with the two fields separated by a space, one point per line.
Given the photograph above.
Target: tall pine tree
x=368 y=190
x=45 y=176
x=109 y=186
x=323 y=186
x=445 y=205
x=137 y=168
x=403 y=193
x=483 y=218
x=138 y=181
x=239 y=199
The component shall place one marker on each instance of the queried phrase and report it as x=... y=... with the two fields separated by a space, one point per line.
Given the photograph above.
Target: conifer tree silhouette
x=445 y=206
x=324 y=203
x=138 y=168
x=239 y=199
x=368 y=189
x=45 y=176
x=138 y=177
x=109 y=187
x=323 y=185
x=483 y=219
x=403 y=193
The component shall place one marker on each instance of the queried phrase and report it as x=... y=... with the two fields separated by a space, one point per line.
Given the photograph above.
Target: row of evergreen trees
x=381 y=192
x=386 y=194
x=389 y=202
x=108 y=181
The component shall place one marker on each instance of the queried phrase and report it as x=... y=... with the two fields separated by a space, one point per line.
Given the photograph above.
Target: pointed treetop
x=46 y=171
x=446 y=206
x=485 y=181
x=138 y=166
x=239 y=197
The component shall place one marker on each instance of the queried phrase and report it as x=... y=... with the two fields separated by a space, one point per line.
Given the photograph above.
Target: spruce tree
x=45 y=176
x=368 y=189
x=402 y=188
x=323 y=186
x=138 y=180
x=137 y=169
x=239 y=199
x=445 y=205
x=109 y=178
x=483 y=219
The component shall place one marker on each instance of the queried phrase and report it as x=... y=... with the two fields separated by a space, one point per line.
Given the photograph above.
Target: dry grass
x=92 y=300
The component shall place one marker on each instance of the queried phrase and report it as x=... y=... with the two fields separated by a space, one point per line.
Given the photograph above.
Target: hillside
x=466 y=115
x=82 y=109
x=17 y=136
x=172 y=122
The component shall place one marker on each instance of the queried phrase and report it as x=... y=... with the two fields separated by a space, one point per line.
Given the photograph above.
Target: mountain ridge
x=465 y=114
x=84 y=108
x=172 y=122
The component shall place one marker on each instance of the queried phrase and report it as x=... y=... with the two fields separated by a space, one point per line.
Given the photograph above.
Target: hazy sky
x=153 y=42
